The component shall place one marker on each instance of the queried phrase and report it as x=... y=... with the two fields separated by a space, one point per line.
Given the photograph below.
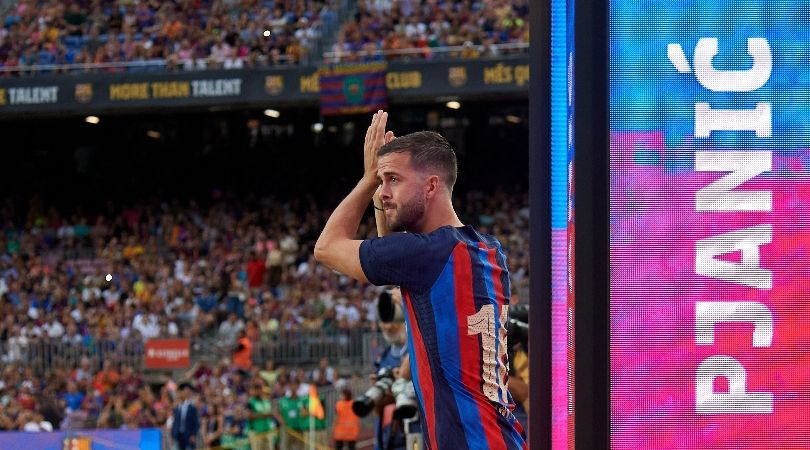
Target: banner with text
x=167 y=354
x=121 y=92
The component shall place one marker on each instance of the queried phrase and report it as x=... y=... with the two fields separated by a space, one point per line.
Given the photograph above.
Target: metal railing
x=158 y=65
x=47 y=354
x=355 y=348
x=148 y=65
x=458 y=51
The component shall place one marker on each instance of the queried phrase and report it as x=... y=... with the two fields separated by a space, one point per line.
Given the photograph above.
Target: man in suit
x=186 y=419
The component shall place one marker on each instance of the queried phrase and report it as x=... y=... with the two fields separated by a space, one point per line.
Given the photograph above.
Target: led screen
x=562 y=223
x=710 y=224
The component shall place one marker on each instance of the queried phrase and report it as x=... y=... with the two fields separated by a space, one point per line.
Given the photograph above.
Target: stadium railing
x=354 y=348
x=351 y=348
x=160 y=65
x=433 y=52
x=47 y=354
x=149 y=65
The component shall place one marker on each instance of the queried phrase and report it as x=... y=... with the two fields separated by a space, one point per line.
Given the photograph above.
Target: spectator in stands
x=107 y=380
x=83 y=373
x=270 y=374
x=147 y=323
x=112 y=414
x=213 y=426
x=72 y=399
x=50 y=408
x=236 y=434
x=17 y=345
x=255 y=271
x=118 y=31
x=229 y=330
x=347 y=313
x=405 y=30
x=129 y=384
x=182 y=260
x=324 y=374
x=33 y=422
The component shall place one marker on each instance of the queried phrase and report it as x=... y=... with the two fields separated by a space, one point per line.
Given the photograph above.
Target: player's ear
x=431 y=186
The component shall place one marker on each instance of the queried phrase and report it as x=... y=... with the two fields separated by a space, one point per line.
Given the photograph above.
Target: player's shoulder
x=472 y=236
x=412 y=260
x=446 y=235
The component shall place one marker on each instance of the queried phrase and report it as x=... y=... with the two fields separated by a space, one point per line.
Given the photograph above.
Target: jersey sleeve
x=409 y=260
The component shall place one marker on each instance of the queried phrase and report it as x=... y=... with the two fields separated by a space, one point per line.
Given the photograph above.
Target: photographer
x=388 y=380
x=518 y=353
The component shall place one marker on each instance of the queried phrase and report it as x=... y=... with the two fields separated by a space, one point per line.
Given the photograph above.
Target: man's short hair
x=428 y=150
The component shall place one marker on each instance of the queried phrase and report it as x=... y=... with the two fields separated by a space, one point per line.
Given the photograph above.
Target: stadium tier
x=183 y=34
x=114 y=36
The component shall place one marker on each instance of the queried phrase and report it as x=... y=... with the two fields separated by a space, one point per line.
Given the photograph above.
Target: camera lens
x=362 y=405
x=405 y=398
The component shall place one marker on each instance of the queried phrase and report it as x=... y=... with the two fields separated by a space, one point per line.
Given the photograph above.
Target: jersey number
x=494 y=369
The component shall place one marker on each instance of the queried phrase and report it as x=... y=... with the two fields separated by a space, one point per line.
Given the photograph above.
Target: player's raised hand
x=376 y=136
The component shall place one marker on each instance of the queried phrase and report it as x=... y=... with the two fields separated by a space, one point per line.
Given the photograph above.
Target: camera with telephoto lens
x=365 y=403
x=401 y=389
x=404 y=399
x=388 y=309
x=517 y=330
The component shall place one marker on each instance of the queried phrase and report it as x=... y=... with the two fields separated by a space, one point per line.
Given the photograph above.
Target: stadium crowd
x=240 y=268
x=185 y=33
x=199 y=34
x=387 y=27
x=120 y=398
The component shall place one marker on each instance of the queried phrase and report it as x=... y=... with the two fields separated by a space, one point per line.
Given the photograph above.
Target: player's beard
x=408 y=214
x=396 y=337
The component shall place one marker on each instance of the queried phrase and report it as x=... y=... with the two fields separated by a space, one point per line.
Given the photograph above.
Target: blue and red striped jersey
x=456 y=289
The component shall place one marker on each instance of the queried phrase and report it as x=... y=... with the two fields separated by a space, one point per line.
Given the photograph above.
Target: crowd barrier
x=356 y=348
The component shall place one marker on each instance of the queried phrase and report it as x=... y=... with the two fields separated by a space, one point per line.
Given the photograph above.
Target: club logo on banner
x=84 y=92
x=273 y=84
x=353 y=88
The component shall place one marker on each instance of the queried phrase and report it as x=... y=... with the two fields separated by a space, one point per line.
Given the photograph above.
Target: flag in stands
x=315 y=405
x=353 y=88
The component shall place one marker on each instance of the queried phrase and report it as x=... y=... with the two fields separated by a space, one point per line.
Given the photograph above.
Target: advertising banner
x=143 y=439
x=167 y=354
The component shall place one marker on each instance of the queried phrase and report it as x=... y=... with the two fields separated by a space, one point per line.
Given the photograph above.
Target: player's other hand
x=376 y=137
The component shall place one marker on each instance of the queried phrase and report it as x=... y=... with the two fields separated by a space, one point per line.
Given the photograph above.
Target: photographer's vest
x=241 y=358
x=347 y=424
